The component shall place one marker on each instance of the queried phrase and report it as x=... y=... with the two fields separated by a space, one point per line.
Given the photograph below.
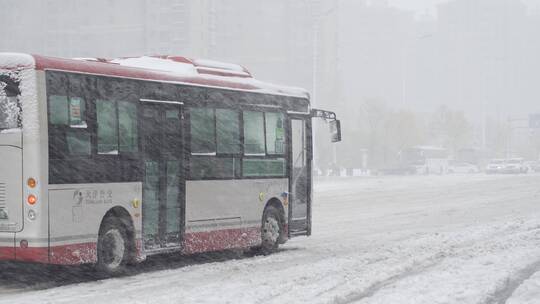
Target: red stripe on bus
x=7 y=253
x=32 y=254
x=74 y=254
x=81 y=253
x=197 y=242
x=71 y=254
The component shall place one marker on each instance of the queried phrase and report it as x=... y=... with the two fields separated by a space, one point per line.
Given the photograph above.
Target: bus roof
x=164 y=68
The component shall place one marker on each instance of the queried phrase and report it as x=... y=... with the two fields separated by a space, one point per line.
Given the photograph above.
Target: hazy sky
x=419 y=6
x=429 y=6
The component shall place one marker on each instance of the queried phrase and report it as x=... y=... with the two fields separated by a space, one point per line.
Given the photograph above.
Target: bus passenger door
x=300 y=177
x=163 y=186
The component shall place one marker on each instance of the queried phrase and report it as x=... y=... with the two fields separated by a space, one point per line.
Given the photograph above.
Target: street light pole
x=318 y=17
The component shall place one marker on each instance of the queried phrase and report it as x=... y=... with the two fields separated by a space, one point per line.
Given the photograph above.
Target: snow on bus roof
x=10 y=61
x=218 y=65
x=175 y=69
x=207 y=70
x=158 y=64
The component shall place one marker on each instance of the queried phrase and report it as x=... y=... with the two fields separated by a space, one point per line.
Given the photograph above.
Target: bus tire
x=271 y=230
x=112 y=248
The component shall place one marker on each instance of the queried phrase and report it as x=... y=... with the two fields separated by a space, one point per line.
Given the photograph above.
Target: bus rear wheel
x=271 y=230
x=112 y=248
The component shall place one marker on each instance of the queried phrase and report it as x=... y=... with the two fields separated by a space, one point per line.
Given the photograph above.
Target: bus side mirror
x=335 y=131
x=335 y=125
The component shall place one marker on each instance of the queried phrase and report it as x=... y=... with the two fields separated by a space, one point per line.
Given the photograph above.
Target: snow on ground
x=528 y=292
x=438 y=239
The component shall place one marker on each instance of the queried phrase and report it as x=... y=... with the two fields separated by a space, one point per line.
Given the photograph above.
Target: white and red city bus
x=108 y=161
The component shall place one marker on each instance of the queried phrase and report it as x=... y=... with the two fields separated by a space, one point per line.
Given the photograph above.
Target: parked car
x=462 y=167
x=514 y=166
x=495 y=166
x=532 y=166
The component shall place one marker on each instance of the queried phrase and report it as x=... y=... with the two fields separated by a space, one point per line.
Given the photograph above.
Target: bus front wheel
x=112 y=248
x=271 y=230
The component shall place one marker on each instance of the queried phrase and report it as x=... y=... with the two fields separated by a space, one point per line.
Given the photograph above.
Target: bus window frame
x=241 y=155
x=195 y=155
x=266 y=109
x=57 y=131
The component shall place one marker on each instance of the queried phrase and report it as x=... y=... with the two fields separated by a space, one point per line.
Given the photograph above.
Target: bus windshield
x=9 y=105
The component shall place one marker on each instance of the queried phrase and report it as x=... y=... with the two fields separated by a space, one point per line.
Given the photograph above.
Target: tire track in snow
x=526 y=235
x=454 y=250
x=502 y=295
x=416 y=268
x=374 y=288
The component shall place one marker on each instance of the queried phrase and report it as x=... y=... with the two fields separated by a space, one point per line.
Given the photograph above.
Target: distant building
x=483 y=44
x=363 y=48
x=272 y=38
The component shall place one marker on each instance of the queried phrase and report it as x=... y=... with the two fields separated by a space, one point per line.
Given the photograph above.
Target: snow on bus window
x=10 y=109
x=9 y=112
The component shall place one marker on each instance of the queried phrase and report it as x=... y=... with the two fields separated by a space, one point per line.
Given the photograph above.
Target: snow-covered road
x=439 y=239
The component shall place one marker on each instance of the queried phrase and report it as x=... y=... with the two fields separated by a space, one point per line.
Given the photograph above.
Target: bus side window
x=203 y=135
x=67 y=111
x=228 y=131
x=275 y=133
x=58 y=110
x=78 y=142
x=127 y=122
x=215 y=143
x=116 y=127
x=213 y=167
x=254 y=143
x=77 y=109
x=67 y=116
x=107 y=127
x=260 y=148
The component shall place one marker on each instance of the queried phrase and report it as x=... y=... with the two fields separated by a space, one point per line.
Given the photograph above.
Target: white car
x=515 y=166
x=495 y=166
x=532 y=166
x=462 y=167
